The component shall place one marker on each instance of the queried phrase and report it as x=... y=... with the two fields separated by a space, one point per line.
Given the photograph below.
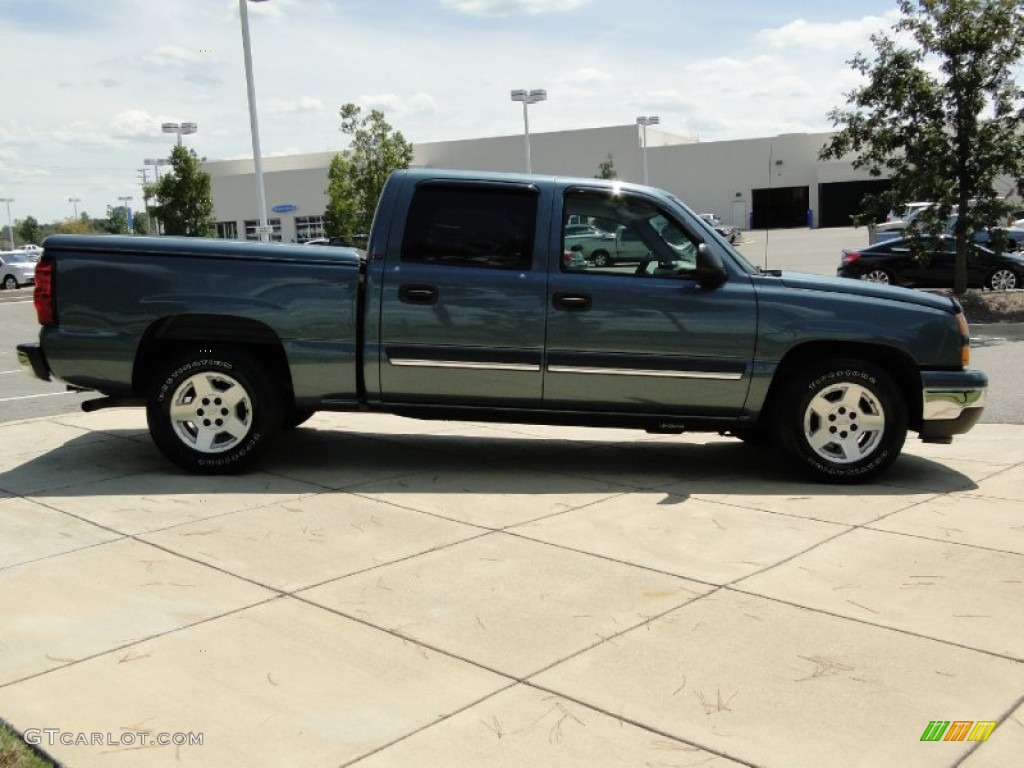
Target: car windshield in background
x=15 y=258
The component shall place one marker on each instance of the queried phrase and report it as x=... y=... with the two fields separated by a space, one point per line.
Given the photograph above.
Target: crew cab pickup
x=464 y=308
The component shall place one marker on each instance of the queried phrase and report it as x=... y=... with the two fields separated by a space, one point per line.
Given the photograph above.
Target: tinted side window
x=471 y=227
x=630 y=237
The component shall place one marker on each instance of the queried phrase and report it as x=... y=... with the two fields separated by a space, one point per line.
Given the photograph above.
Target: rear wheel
x=1002 y=280
x=213 y=412
x=843 y=421
x=883 y=276
x=600 y=259
x=10 y=282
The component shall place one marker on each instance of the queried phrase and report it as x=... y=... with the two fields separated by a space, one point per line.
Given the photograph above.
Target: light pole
x=75 y=201
x=180 y=128
x=10 y=226
x=528 y=97
x=254 y=127
x=643 y=121
x=156 y=163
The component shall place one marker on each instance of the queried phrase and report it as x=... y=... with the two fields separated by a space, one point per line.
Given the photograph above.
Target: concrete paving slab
x=332 y=463
x=712 y=543
x=992 y=443
x=511 y=605
x=1008 y=484
x=945 y=475
x=72 y=606
x=281 y=684
x=526 y=727
x=31 y=531
x=952 y=592
x=311 y=540
x=774 y=684
x=962 y=518
x=165 y=497
x=829 y=503
x=488 y=496
x=1004 y=746
x=25 y=439
x=78 y=462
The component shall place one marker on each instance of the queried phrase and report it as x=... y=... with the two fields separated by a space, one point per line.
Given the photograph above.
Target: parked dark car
x=895 y=262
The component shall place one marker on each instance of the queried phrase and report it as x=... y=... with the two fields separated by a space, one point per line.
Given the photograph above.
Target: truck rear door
x=462 y=295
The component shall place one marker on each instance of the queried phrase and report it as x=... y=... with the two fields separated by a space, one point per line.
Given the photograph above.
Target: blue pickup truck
x=465 y=307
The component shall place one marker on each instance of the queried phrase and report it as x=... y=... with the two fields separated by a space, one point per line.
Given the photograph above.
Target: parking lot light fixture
x=180 y=129
x=643 y=121
x=528 y=97
x=75 y=201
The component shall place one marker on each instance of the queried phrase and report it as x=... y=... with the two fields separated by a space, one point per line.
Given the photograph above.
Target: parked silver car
x=16 y=269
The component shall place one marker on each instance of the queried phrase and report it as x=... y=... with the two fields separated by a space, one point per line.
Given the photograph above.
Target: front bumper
x=953 y=402
x=33 y=361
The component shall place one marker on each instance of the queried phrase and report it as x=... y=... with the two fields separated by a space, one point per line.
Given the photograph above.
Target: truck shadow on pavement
x=125 y=462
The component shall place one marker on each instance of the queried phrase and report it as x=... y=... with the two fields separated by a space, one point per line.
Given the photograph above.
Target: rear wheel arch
x=171 y=337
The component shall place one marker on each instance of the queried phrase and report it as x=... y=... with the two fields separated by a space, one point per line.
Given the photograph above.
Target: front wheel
x=213 y=412
x=843 y=421
x=10 y=282
x=1002 y=280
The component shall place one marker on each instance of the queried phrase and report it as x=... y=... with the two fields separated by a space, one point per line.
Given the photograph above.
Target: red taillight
x=43 y=297
x=849 y=257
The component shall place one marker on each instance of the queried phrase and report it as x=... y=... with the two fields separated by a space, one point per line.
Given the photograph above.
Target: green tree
x=116 y=222
x=357 y=175
x=183 y=198
x=29 y=231
x=606 y=169
x=940 y=113
x=140 y=223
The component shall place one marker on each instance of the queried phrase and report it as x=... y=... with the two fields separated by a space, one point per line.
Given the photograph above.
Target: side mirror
x=710 y=271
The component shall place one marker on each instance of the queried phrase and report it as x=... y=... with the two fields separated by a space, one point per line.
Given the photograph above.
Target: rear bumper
x=33 y=361
x=953 y=403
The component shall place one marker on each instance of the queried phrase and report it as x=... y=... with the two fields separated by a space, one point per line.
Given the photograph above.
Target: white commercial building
x=752 y=183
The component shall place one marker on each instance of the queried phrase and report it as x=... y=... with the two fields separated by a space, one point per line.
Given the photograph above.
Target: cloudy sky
x=88 y=84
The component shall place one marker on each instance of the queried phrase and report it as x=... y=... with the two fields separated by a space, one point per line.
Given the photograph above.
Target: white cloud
x=293 y=106
x=513 y=7
x=844 y=36
x=584 y=76
x=135 y=123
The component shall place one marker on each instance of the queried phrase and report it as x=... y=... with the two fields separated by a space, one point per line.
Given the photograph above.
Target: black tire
x=10 y=282
x=297 y=417
x=1002 y=279
x=600 y=258
x=842 y=421
x=759 y=436
x=213 y=412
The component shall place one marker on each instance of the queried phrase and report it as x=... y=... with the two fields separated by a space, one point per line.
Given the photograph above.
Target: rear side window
x=471 y=227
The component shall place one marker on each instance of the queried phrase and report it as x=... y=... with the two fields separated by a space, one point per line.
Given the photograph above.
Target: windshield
x=16 y=258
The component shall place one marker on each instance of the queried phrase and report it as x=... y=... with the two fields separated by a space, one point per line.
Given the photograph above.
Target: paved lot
x=386 y=592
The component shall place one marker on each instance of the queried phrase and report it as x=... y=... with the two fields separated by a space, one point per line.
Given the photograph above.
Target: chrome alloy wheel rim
x=877 y=276
x=1003 y=280
x=211 y=412
x=844 y=423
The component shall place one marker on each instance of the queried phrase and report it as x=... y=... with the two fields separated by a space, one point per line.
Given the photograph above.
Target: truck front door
x=646 y=337
x=462 y=300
